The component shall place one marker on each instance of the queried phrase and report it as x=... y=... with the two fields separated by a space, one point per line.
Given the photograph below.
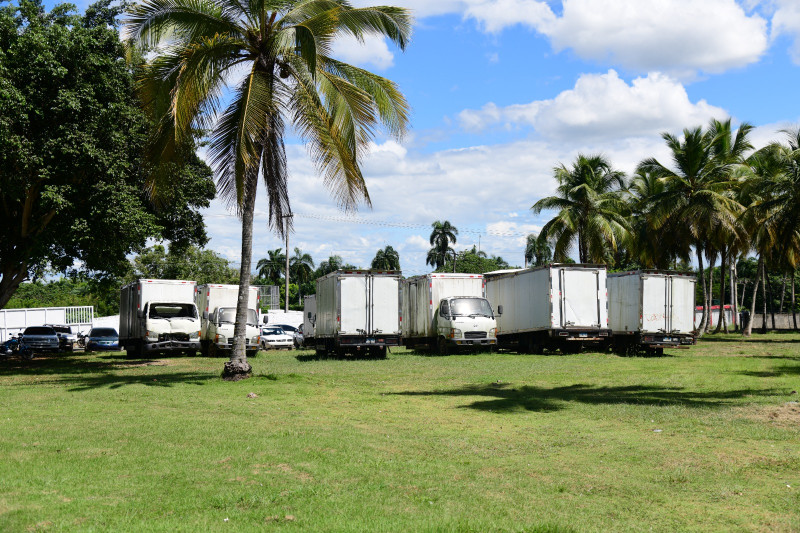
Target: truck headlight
x=220 y=339
x=254 y=340
x=455 y=333
x=194 y=335
x=493 y=332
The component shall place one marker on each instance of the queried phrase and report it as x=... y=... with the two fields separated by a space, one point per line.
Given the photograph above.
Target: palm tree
x=284 y=47
x=591 y=210
x=272 y=266
x=332 y=264
x=537 y=251
x=442 y=235
x=301 y=266
x=386 y=259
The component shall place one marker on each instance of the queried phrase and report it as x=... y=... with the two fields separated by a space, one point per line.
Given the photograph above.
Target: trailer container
x=217 y=306
x=447 y=312
x=158 y=316
x=309 y=319
x=358 y=312
x=650 y=310
x=558 y=306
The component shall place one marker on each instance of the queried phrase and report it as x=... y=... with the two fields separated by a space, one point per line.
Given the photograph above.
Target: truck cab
x=465 y=321
x=219 y=326
x=170 y=326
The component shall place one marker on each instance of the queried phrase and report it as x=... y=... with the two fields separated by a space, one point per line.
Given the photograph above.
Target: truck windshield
x=227 y=315
x=470 y=307
x=172 y=311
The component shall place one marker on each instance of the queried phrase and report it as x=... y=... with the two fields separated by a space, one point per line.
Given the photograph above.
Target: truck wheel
x=442 y=346
x=381 y=352
x=131 y=351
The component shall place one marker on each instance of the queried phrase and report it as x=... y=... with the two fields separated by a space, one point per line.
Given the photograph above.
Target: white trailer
x=558 y=306
x=358 y=312
x=447 y=311
x=649 y=310
x=158 y=315
x=309 y=319
x=217 y=305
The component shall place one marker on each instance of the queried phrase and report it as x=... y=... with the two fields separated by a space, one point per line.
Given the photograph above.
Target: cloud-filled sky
x=504 y=90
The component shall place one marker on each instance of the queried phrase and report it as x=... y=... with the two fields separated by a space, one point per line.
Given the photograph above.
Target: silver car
x=40 y=339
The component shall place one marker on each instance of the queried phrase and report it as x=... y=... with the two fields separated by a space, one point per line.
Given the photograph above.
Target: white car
x=274 y=337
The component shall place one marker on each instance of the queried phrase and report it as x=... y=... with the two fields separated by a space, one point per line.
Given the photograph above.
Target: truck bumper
x=171 y=346
x=668 y=340
x=581 y=335
x=473 y=342
x=377 y=340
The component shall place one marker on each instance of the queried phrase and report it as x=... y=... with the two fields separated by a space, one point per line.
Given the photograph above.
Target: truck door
x=353 y=302
x=656 y=298
x=384 y=305
x=682 y=302
x=580 y=298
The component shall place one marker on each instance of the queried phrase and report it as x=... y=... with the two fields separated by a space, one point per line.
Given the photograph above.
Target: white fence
x=14 y=321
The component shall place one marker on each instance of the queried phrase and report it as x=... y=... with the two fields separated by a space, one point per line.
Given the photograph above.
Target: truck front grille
x=173 y=337
x=474 y=334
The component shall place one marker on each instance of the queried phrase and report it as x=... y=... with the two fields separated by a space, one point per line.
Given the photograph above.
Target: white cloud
x=372 y=51
x=786 y=20
x=602 y=105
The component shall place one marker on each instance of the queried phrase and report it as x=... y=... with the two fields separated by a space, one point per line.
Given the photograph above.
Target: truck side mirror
x=140 y=313
x=499 y=310
x=205 y=315
x=266 y=319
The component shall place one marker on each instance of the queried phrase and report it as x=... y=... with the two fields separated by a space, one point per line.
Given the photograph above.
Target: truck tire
x=442 y=348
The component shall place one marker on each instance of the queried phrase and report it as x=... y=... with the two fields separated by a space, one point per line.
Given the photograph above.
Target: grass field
x=706 y=439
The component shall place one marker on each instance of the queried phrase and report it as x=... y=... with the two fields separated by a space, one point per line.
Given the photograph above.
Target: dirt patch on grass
x=786 y=415
x=285 y=469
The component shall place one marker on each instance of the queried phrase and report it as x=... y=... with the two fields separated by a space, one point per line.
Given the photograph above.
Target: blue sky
x=504 y=90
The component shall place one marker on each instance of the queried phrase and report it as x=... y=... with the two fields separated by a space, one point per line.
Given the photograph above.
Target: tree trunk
x=238 y=367
x=748 y=330
x=722 y=322
x=710 y=318
x=764 y=297
x=735 y=295
x=783 y=293
x=794 y=309
x=699 y=330
x=771 y=300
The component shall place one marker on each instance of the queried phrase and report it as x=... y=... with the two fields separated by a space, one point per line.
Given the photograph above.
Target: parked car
x=296 y=333
x=275 y=337
x=66 y=337
x=102 y=339
x=40 y=339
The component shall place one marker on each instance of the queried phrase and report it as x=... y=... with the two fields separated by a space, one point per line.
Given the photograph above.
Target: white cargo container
x=558 y=306
x=447 y=311
x=358 y=312
x=309 y=319
x=158 y=315
x=217 y=305
x=649 y=310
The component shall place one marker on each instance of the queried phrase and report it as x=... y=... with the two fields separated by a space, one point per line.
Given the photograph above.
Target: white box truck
x=649 y=310
x=447 y=312
x=309 y=319
x=558 y=306
x=158 y=316
x=358 y=312
x=217 y=305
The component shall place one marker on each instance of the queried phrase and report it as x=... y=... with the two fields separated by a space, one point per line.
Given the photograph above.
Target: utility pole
x=286 y=231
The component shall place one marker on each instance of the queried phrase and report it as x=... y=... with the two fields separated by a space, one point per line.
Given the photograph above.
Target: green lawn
x=705 y=439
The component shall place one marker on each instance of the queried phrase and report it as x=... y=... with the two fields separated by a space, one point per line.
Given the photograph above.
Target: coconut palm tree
x=386 y=259
x=272 y=266
x=591 y=210
x=332 y=264
x=301 y=266
x=283 y=47
x=537 y=251
x=442 y=235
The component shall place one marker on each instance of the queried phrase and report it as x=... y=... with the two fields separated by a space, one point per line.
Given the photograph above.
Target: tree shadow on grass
x=503 y=398
x=85 y=373
x=754 y=340
x=785 y=370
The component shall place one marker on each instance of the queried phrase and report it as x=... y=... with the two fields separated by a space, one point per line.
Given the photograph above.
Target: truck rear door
x=384 y=305
x=682 y=304
x=656 y=298
x=353 y=305
x=580 y=298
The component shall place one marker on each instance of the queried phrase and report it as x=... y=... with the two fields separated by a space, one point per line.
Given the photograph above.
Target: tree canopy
x=71 y=138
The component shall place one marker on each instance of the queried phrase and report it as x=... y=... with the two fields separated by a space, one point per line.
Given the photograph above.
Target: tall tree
x=301 y=266
x=272 y=267
x=71 y=137
x=284 y=46
x=590 y=210
x=442 y=236
x=537 y=251
x=331 y=264
x=386 y=259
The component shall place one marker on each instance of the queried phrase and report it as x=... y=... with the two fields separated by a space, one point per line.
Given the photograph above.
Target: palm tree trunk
x=771 y=300
x=783 y=293
x=722 y=320
x=748 y=330
x=764 y=297
x=710 y=319
x=735 y=294
x=701 y=273
x=794 y=309
x=238 y=367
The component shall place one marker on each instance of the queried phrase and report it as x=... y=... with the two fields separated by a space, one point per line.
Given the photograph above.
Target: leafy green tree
x=284 y=46
x=71 y=138
x=537 y=251
x=189 y=262
x=474 y=262
x=273 y=266
x=442 y=236
x=591 y=212
x=332 y=264
x=301 y=266
x=386 y=259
